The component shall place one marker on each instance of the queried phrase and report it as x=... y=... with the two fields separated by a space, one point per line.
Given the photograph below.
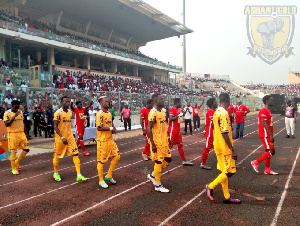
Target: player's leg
x=292 y=127
x=146 y=152
x=237 y=130
x=125 y=123
x=205 y=152
x=12 y=146
x=129 y=123
x=242 y=130
x=190 y=125
x=23 y=144
x=178 y=141
x=72 y=149
x=80 y=133
x=115 y=154
x=287 y=127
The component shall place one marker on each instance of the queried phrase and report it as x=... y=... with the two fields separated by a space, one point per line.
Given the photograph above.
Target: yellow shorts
x=162 y=152
x=17 y=141
x=226 y=164
x=106 y=150
x=60 y=149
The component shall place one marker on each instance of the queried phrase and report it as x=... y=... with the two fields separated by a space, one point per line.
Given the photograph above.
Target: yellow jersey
x=64 y=123
x=159 y=128
x=104 y=119
x=17 y=125
x=221 y=125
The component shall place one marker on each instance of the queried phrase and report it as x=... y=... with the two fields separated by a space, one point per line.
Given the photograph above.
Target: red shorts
x=267 y=143
x=176 y=138
x=80 y=131
x=209 y=142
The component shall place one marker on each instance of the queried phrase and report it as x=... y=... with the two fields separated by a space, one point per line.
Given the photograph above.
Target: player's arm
x=229 y=144
x=295 y=115
x=142 y=120
x=267 y=128
x=8 y=121
x=173 y=117
x=55 y=123
x=88 y=107
x=150 y=125
x=25 y=131
x=72 y=106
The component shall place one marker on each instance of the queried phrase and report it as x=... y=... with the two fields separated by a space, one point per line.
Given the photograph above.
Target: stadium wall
x=293 y=78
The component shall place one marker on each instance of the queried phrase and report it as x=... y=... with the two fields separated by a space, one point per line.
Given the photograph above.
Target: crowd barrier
x=45 y=97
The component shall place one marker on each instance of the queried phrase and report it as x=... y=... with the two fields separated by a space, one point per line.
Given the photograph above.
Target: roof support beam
x=88 y=27
x=109 y=37
x=58 y=19
x=129 y=41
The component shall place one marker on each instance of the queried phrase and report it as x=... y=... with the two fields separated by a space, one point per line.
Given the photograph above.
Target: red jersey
x=196 y=111
x=265 y=114
x=79 y=116
x=230 y=110
x=209 y=125
x=174 y=126
x=144 y=114
x=240 y=113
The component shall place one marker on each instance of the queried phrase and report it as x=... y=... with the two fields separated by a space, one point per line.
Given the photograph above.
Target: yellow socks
x=21 y=156
x=76 y=161
x=55 y=163
x=113 y=165
x=12 y=160
x=222 y=177
x=225 y=189
x=157 y=172
x=100 y=167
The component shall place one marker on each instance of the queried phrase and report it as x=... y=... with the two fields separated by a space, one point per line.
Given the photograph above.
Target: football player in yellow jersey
x=224 y=150
x=159 y=141
x=16 y=134
x=106 y=147
x=64 y=139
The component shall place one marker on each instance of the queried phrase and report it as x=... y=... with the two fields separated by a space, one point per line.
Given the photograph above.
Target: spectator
x=26 y=120
x=126 y=115
x=196 y=116
x=8 y=100
x=187 y=114
x=112 y=111
x=290 y=119
x=92 y=114
x=9 y=86
x=36 y=119
x=49 y=120
x=23 y=87
x=43 y=126
x=2 y=111
x=240 y=112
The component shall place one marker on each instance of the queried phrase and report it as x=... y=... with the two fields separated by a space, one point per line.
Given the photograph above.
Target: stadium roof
x=133 y=18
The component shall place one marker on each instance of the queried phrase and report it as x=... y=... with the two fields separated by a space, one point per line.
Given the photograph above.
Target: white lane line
x=277 y=213
x=56 y=189
x=77 y=182
x=181 y=208
x=112 y=197
x=203 y=191
x=128 y=190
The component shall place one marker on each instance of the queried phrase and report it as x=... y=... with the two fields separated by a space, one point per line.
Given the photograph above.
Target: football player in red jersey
x=209 y=131
x=265 y=131
x=79 y=125
x=174 y=130
x=230 y=111
x=144 y=123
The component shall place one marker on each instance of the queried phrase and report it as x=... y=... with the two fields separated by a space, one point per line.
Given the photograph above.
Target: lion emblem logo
x=270 y=31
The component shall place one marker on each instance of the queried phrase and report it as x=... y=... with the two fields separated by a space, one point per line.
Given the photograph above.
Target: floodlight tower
x=184 y=43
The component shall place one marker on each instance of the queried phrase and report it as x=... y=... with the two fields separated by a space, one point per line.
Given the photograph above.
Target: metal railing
x=46 y=97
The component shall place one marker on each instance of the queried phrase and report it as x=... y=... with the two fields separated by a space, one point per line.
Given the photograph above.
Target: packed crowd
x=33 y=24
x=289 y=90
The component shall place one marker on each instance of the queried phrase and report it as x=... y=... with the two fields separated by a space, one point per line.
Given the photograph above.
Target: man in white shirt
x=9 y=86
x=92 y=114
x=23 y=87
x=187 y=115
x=8 y=101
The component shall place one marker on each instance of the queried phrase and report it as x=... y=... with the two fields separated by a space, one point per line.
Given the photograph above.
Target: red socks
x=147 y=149
x=181 y=152
x=80 y=142
x=205 y=155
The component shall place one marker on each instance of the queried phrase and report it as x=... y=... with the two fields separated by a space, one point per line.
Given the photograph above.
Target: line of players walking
x=160 y=138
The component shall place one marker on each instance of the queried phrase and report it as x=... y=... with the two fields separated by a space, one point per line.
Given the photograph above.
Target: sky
x=219 y=43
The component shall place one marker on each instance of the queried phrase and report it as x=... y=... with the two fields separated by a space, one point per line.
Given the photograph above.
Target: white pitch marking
x=277 y=213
